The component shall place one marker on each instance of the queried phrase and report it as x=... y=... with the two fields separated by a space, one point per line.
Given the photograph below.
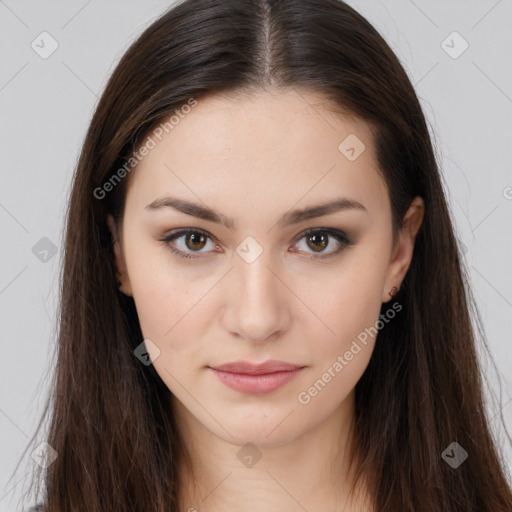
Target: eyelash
x=338 y=235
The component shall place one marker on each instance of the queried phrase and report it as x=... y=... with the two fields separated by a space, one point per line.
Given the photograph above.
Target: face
x=256 y=277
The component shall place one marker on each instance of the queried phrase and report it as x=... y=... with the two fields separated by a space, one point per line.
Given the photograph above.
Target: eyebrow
x=289 y=218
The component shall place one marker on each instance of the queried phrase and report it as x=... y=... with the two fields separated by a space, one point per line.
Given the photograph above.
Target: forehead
x=260 y=148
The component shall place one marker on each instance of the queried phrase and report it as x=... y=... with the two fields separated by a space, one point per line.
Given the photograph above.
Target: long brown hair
x=109 y=415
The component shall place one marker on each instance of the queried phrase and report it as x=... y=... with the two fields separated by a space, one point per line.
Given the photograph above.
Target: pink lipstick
x=256 y=379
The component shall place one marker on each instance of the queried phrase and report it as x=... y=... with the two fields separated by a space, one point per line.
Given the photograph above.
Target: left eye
x=317 y=239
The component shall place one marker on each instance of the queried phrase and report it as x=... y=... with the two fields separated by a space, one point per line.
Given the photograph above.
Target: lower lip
x=256 y=384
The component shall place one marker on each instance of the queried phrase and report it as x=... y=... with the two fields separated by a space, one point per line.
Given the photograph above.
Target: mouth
x=256 y=379
x=246 y=367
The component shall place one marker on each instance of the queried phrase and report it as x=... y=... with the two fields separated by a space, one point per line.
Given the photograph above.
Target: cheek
x=168 y=314
x=340 y=359
x=159 y=293
x=172 y=323
x=347 y=301
x=172 y=305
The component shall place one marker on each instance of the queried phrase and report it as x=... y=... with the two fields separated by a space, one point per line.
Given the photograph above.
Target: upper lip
x=270 y=366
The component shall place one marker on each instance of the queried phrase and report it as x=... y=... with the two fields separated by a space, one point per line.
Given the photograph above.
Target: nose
x=256 y=301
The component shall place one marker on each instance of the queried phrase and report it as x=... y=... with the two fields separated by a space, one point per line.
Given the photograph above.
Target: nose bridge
x=255 y=280
x=257 y=307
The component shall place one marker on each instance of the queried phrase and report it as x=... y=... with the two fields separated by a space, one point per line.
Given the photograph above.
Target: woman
x=263 y=304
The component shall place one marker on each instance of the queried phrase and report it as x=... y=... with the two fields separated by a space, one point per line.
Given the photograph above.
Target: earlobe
x=123 y=281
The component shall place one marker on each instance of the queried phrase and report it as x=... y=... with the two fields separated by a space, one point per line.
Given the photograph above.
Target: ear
x=402 y=254
x=122 y=273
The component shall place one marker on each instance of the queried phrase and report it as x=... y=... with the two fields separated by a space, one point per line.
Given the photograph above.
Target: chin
x=262 y=433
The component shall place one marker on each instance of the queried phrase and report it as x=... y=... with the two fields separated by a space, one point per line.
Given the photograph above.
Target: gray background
x=46 y=105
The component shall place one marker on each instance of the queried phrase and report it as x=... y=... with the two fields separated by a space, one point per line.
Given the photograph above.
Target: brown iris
x=196 y=239
x=318 y=240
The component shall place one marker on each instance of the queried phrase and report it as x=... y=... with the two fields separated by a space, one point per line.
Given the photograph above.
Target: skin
x=240 y=157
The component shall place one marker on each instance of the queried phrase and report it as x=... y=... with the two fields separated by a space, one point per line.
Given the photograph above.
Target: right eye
x=193 y=240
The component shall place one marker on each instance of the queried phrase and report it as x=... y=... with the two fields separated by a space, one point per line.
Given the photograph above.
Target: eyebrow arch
x=289 y=218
